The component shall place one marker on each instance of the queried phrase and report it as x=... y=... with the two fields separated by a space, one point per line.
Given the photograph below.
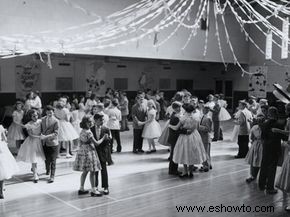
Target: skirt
x=164 y=135
x=87 y=159
x=76 y=125
x=283 y=181
x=189 y=149
x=235 y=133
x=151 y=130
x=8 y=165
x=66 y=132
x=224 y=115
x=254 y=156
x=31 y=151
x=15 y=132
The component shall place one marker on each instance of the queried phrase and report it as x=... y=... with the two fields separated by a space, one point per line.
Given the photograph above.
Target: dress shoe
x=238 y=156
x=51 y=180
x=141 y=151
x=203 y=169
x=153 y=150
x=148 y=152
x=82 y=192
x=47 y=172
x=106 y=191
x=287 y=208
x=250 y=179
x=35 y=181
x=1 y=196
x=183 y=175
x=135 y=151
x=119 y=149
x=190 y=175
x=96 y=194
x=271 y=191
x=214 y=140
x=210 y=167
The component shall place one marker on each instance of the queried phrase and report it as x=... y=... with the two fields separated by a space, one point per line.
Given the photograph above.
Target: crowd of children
x=92 y=126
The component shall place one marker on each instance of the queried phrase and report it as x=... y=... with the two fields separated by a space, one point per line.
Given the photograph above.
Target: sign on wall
x=27 y=78
x=96 y=77
x=258 y=81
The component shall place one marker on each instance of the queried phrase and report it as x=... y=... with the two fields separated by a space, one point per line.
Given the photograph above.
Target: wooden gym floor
x=141 y=186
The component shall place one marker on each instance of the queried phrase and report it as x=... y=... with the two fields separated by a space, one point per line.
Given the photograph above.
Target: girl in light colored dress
x=152 y=129
x=87 y=159
x=189 y=148
x=31 y=150
x=15 y=134
x=66 y=133
x=254 y=156
x=8 y=165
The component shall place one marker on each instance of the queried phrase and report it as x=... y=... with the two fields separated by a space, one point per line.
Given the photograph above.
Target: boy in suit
x=173 y=136
x=204 y=131
x=99 y=131
x=49 y=133
x=271 y=151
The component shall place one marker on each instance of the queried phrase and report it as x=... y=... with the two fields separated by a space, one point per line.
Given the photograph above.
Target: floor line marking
x=161 y=190
x=50 y=195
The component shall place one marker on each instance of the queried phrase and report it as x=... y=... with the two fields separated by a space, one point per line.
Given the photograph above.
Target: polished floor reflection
x=141 y=186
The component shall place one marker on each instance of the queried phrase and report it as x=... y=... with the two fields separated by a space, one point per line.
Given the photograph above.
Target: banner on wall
x=96 y=77
x=27 y=78
x=258 y=81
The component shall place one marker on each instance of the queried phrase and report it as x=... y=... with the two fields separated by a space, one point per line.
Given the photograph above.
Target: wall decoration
x=258 y=81
x=96 y=78
x=27 y=78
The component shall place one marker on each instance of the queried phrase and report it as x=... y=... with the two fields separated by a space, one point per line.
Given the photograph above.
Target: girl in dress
x=66 y=133
x=82 y=108
x=235 y=133
x=31 y=150
x=152 y=129
x=76 y=117
x=8 y=165
x=254 y=156
x=15 y=131
x=189 y=149
x=224 y=114
x=87 y=159
x=283 y=181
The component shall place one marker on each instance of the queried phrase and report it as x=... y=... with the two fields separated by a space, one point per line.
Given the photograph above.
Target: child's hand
x=276 y=130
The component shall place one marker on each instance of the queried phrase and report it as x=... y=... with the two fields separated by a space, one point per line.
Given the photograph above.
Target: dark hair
x=30 y=113
x=266 y=107
x=98 y=116
x=175 y=105
x=49 y=108
x=188 y=107
x=115 y=102
x=76 y=105
x=84 y=121
x=93 y=96
x=178 y=97
x=273 y=112
x=18 y=103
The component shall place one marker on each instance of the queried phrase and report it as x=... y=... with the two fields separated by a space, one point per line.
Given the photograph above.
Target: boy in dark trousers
x=271 y=151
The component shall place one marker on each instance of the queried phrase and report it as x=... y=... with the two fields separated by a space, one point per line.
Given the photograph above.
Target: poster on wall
x=27 y=78
x=96 y=77
x=258 y=81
